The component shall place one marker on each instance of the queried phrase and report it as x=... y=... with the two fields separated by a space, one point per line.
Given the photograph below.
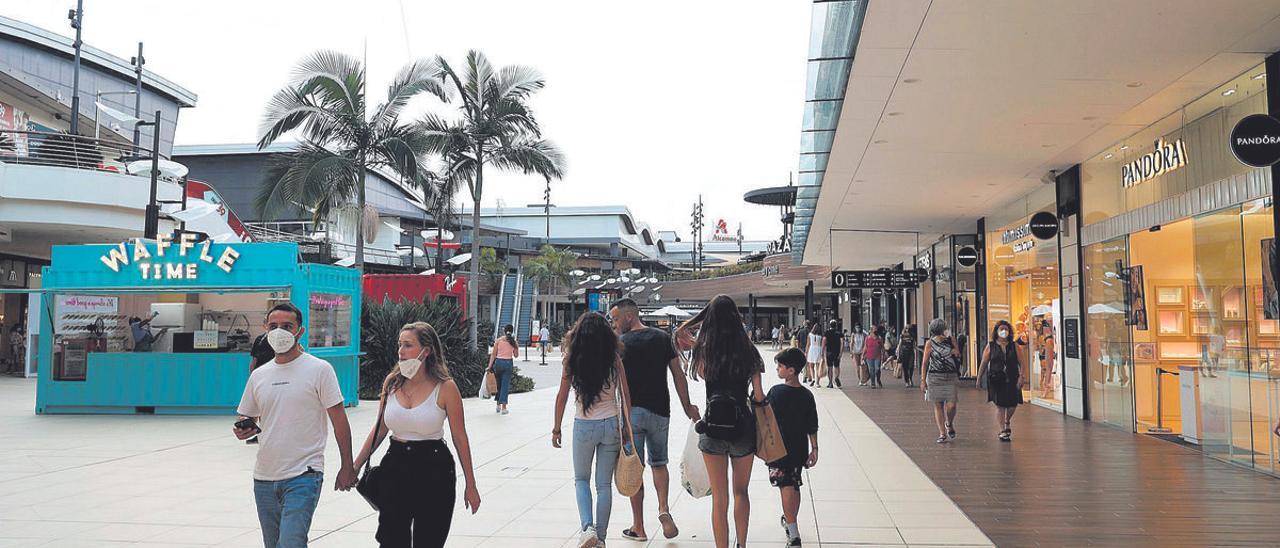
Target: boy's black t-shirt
x=262 y=350
x=647 y=355
x=833 y=337
x=797 y=415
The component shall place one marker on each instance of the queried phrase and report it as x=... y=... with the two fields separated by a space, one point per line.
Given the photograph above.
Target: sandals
x=669 y=528
x=951 y=431
x=632 y=535
x=942 y=439
x=1005 y=435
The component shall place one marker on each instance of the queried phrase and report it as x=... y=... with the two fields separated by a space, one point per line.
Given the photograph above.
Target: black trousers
x=417 y=507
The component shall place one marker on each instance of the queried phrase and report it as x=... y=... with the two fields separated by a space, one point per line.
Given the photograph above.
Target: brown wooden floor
x=1068 y=482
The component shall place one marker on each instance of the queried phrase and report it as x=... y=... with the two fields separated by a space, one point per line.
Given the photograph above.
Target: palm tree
x=496 y=128
x=550 y=268
x=340 y=141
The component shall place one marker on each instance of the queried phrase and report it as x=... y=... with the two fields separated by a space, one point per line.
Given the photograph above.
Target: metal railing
x=69 y=151
x=323 y=246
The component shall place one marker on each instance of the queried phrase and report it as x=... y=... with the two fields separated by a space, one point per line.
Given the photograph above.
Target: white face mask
x=409 y=368
x=1004 y=333
x=281 y=340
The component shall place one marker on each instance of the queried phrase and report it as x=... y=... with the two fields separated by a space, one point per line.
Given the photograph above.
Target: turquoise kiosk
x=165 y=326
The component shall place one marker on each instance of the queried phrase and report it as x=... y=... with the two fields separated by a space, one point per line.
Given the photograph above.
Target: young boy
x=797 y=416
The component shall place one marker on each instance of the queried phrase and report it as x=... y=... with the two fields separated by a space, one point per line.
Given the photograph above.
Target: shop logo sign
x=1166 y=158
x=184 y=269
x=1255 y=140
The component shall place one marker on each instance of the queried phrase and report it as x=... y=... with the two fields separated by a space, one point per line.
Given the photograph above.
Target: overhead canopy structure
x=773 y=196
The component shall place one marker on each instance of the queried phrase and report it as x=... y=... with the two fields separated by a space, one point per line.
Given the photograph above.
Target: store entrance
x=1034 y=298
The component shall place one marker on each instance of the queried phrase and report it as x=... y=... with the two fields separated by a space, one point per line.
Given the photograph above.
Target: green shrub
x=380 y=325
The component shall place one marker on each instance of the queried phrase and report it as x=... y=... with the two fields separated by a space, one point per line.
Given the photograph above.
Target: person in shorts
x=797 y=416
x=648 y=354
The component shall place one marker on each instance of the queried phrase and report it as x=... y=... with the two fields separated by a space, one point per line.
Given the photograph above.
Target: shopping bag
x=769 y=446
x=693 y=470
x=485 y=391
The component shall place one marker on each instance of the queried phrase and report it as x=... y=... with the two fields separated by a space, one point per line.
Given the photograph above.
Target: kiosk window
x=330 y=320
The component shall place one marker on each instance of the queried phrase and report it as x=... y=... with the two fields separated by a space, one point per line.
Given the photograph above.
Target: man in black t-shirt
x=797 y=414
x=648 y=354
x=833 y=346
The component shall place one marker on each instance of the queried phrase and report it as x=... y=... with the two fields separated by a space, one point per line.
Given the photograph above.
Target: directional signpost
x=877 y=279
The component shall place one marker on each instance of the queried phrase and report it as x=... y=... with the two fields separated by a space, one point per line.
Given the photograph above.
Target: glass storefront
x=1179 y=339
x=1022 y=289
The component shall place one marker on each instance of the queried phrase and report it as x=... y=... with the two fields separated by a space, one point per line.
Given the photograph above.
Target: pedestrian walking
x=417 y=477
x=725 y=359
x=800 y=337
x=773 y=342
x=502 y=365
x=872 y=351
x=647 y=356
x=797 y=416
x=860 y=346
x=1000 y=365
x=544 y=340
x=286 y=403
x=814 y=352
x=833 y=343
x=942 y=372
x=907 y=354
x=593 y=369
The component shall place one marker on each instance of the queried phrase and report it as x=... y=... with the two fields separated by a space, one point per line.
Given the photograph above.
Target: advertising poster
x=1270 y=299
x=12 y=121
x=1135 y=298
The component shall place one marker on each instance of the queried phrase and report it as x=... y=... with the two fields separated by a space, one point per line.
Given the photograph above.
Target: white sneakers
x=588 y=538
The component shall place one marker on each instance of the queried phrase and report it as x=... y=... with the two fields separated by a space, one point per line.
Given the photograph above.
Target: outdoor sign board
x=877 y=279
x=1255 y=140
x=967 y=256
x=1044 y=225
x=1071 y=337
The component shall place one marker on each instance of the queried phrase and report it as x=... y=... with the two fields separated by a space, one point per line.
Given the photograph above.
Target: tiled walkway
x=1068 y=482
x=97 y=481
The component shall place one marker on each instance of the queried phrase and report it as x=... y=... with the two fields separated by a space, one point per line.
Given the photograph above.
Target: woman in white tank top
x=417 y=397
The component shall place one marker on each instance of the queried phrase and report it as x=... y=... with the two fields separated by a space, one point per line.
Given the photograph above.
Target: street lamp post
x=151 y=225
x=77 y=18
x=137 y=90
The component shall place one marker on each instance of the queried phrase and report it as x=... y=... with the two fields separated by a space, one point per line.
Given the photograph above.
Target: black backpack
x=723 y=420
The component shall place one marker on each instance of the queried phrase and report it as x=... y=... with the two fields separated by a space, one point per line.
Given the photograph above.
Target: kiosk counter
x=166 y=326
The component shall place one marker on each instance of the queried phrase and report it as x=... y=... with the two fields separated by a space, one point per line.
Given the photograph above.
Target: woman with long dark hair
x=502 y=365
x=907 y=353
x=1000 y=364
x=728 y=362
x=418 y=498
x=593 y=369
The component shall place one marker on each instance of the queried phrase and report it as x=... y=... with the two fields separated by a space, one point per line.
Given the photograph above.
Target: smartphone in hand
x=247 y=423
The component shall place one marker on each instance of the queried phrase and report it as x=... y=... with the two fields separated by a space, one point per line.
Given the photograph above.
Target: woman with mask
x=907 y=353
x=418 y=499
x=593 y=369
x=1000 y=364
x=726 y=360
x=942 y=372
x=502 y=365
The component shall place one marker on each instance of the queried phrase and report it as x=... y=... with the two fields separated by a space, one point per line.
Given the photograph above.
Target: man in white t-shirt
x=288 y=398
x=544 y=340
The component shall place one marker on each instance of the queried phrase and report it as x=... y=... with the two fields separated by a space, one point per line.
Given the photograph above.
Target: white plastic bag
x=693 y=470
x=484 y=386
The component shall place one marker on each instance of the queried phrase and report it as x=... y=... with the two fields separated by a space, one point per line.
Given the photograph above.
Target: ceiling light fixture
x=895 y=114
x=881 y=141
x=1089 y=118
x=1259 y=76
x=1229 y=92
x=911 y=80
x=1109 y=156
x=1134 y=84
x=1124 y=147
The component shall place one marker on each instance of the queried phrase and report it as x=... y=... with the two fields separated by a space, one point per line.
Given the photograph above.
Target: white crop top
x=605 y=406
x=424 y=421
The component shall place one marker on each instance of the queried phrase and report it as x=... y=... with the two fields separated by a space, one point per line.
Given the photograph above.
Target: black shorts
x=833 y=359
x=786 y=476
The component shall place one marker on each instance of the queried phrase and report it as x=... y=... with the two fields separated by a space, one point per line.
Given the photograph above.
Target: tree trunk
x=473 y=285
x=360 y=219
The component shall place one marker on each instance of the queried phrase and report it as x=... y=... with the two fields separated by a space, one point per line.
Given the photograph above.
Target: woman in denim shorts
x=724 y=356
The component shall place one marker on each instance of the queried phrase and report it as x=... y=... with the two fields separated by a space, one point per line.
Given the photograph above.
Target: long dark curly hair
x=722 y=349
x=591 y=349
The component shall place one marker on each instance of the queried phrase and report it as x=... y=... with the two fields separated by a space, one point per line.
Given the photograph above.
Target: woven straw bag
x=628 y=475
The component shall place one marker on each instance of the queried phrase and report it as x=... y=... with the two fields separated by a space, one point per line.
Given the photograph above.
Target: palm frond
x=336 y=79
x=517 y=82
x=311 y=176
x=539 y=157
x=413 y=79
x=288 y=110
x=478 y=78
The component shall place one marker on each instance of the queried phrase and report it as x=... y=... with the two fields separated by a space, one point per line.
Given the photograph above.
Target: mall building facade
x=1139 y=283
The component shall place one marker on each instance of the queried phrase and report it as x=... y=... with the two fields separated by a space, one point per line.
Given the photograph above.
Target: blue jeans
x=595 y=439
x=873 y=368
x=285 y=508
x=503 y=369
x=650 y=430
